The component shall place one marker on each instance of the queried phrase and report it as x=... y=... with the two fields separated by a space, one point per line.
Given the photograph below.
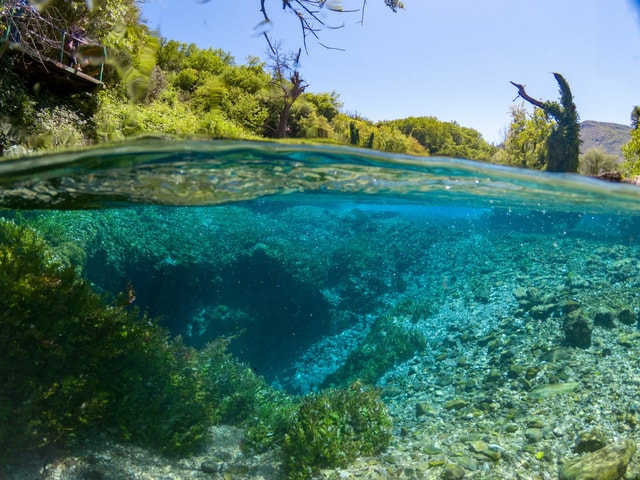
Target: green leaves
x=332 y=428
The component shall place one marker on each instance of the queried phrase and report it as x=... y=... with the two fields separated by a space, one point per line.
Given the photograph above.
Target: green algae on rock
x=608 y=463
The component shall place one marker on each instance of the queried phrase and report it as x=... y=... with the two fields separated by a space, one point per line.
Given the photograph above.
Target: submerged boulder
x=577 y=329
x=608 y=463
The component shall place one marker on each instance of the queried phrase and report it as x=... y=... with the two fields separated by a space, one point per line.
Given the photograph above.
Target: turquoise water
x=433 y=279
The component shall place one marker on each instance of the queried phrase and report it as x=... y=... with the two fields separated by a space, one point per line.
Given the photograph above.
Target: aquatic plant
x=332 y=428
x=391 y=340
x=73 y=364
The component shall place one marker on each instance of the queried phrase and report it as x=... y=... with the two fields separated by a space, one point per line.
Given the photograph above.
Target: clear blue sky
x=452 y=59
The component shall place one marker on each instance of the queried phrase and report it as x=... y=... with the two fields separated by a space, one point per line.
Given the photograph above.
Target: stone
x=627 y=316
x=545 y=391
x=608 y=463
x=492 y=454
x=542 y=312
x=431 y=449
x=534 y=295
x=455 y=404
x=577 y=329
x=478 y=446
x=535 y=423
x=453 y=472
x=568 y=306
x=210 y=467
x=533 y=435
x=590 y=441
x=423 y=408
x=604 y=318
x=628 y=340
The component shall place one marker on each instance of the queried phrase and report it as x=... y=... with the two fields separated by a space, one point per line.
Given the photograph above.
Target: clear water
x=302 y=248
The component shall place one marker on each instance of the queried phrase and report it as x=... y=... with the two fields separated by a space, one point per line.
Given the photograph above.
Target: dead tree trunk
x=290 y=94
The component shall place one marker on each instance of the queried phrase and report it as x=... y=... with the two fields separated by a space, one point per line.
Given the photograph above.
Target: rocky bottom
x=534 y=376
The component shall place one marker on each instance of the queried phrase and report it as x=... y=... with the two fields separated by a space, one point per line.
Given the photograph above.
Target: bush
x=57 y=127
x=332 y=428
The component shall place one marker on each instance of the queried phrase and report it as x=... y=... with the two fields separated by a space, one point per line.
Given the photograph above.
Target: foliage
x=445 y=138
x=563 y=143
x=73 y=363
x=15 y=104
x=390 y=341
x=635 y=117
x=334 y=427
x=84 y=365
x=57 y=127
x=525 y=144
x=631 y=150
x=596 y=161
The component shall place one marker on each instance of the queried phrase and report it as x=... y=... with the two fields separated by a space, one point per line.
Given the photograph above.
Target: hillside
x=609 y=136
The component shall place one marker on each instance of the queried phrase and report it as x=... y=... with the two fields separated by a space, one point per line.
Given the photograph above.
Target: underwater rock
x=533 y=435
x=568 y=306
x=431 y=449
x=604 y=317
x=455 y=404
x=629 y=340
x=210 y=467
x=545 y=391
x=423 y=408
x=608 y=463
x=627 y=316
x=590 y=441
x=534 y=295
x=478 y=446
x=453 y=472
x=542 y=312
x=577 y=329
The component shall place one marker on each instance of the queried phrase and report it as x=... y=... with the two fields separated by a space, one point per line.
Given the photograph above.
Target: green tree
x=635 y=117
x=596 y=161
x=631 y=151
x=563 y=144
x=525 y=144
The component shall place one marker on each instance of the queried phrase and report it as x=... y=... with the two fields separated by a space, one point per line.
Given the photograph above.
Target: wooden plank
x=47 y=68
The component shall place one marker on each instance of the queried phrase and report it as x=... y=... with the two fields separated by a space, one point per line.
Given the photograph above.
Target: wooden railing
x=39 y=36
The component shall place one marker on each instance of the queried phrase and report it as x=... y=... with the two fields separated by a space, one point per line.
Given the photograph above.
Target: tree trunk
x=298 y=86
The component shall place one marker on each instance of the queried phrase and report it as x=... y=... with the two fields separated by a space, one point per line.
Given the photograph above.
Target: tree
x=287 y=79
x=631 y=150
x=635 y=117
x=596 y=161
x=563 y=144
x=308 y=13
x=525 y=144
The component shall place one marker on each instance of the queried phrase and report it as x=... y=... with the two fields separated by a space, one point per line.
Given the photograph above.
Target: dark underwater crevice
x=258 y=298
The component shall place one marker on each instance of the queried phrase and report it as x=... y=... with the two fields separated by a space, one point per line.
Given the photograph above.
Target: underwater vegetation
x=75 y=364
x=334 y=427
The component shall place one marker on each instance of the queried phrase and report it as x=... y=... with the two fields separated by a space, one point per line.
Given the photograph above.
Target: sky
x=452 y=60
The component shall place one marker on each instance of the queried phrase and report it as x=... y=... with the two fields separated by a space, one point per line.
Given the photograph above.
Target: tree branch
x=523 y=94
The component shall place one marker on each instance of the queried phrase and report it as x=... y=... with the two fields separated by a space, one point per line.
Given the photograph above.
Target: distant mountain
x=608 y=136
